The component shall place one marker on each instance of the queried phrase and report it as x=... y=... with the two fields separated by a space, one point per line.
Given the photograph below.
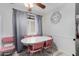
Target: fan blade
x=41 y=5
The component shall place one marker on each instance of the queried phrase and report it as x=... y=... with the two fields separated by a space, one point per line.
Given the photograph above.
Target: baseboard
x=61 y=52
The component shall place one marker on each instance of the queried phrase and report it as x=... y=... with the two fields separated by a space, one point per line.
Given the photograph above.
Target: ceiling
x=38 y=10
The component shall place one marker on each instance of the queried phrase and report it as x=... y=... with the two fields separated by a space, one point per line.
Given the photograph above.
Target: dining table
x=33 y=40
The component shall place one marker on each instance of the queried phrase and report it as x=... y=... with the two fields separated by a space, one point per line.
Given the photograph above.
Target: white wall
x=6 y=14
x=63 y=33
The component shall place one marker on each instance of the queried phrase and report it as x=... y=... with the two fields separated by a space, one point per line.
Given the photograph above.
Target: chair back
x=7 y=39
x=26 y=36
x=37 y=45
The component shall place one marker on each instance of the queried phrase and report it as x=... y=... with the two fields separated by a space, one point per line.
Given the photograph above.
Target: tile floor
x=56 y=53
x=50 y=52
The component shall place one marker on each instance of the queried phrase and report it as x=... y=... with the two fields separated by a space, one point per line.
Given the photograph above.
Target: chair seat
x=6 y=49
x=7 y=39
x=26 y=36
x=33 y=51
x=47 y=47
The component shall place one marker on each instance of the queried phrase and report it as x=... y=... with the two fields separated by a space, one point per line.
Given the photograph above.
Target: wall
x=63 y=33
x=0 y=31
x=6 y=14
x=6 y=17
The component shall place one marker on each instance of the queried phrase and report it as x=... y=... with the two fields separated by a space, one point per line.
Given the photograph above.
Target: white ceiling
x=38 y=10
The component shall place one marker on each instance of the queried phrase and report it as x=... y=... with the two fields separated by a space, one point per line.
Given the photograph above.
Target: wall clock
x=55 y=17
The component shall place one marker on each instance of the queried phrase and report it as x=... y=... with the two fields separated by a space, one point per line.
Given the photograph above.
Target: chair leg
x=30 y=54
x=1 y=54
x=41 y=52
x=49 y=50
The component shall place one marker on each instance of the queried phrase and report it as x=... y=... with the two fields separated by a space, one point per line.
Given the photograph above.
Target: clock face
x=56 y=16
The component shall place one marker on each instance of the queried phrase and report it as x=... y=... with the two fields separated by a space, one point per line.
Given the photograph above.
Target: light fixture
x=28 y=6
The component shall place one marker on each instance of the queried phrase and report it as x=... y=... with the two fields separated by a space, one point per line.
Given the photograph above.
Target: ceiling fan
x=30 y=5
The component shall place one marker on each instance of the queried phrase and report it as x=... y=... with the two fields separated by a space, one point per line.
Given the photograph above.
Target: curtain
x=39 y=24
x=20 y=27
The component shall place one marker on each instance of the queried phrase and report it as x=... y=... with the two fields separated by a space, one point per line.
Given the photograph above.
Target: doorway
x=0 y=31
x=77 y=28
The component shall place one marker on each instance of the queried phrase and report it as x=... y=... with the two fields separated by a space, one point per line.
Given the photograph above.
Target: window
x=31 y=27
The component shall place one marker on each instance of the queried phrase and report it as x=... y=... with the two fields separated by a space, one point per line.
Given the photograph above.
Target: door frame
x=0 y=32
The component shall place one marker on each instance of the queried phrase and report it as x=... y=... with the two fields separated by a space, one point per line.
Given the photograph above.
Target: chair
x=7 y=45
x=7 y=49
x=26 y=36
x=35 y=47
x=48 y=45
x=36 y=35
x=8 y=40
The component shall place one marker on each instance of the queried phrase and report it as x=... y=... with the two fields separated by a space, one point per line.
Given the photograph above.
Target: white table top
x=32 y=40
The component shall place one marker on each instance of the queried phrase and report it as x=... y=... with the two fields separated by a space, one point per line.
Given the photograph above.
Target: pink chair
x=35 y=47
x=26 y=36
x=8 y=40
x=6 y=49
x=48 y=43
x=49 y=36
x=36 y=35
